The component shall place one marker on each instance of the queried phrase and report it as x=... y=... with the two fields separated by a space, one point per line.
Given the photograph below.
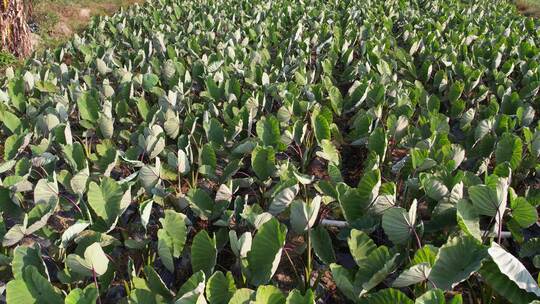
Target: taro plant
x=293 y=152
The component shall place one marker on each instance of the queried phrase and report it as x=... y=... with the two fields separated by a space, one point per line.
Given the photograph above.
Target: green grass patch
x=6 y=59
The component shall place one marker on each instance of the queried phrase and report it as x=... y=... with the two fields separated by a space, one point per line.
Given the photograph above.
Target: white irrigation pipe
x=344 y=224
x=334 y=223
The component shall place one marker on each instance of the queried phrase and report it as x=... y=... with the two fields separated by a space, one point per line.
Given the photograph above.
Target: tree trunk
x=14 y=30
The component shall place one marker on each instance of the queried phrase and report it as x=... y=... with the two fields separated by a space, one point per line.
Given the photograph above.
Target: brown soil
x=528 y=8
x=318 y=168
x=58 y=20
x=353 y=164
x=60 y=223
x=332 y=294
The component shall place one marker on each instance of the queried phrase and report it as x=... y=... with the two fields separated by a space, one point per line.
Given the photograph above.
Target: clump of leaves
x=365 y=152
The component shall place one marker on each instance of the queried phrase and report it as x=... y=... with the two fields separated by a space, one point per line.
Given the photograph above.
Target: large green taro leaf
x=265 y=254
